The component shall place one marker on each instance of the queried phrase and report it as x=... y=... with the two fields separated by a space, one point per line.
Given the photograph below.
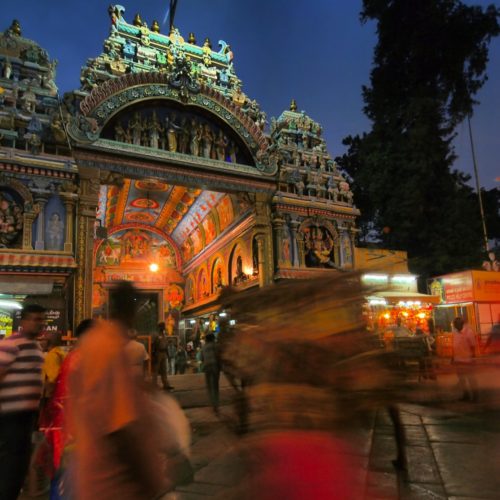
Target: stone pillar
x=86 y=215
x=28 y=219
x=261 y=242
x=263 y=231
x=69 y=205
x=298 y=259
x=278 y=223
x=40 y=227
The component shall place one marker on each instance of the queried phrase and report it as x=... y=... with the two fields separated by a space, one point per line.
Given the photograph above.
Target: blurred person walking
x=53 y=423
x=116 y=433
x=160 y=359
x=171 y=352
x=181 y=359
x=464 y=350
x=138 y=356
x=20 y=390
x=211 y=368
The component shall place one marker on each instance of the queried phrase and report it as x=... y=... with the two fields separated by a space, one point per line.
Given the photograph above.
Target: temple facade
x=159 y=169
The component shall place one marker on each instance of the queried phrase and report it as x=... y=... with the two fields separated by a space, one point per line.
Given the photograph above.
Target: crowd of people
x=108 y=433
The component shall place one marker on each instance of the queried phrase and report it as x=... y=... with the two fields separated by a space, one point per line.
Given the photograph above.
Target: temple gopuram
x=160 y=170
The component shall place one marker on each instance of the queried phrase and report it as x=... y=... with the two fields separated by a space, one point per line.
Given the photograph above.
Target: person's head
x=32 y=320
x=458 y=324
x=83 y=327
x=123 y=306
x=132 y=334
x=54 y=340
x=210 y=337
x=161 y=328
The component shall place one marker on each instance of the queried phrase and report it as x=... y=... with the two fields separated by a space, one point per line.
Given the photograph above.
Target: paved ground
x=453 y=447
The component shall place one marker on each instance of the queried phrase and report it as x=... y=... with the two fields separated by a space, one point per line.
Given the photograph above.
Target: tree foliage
x=429 y=63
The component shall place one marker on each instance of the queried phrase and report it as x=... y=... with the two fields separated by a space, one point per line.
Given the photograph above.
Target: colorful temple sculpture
x=159 y=169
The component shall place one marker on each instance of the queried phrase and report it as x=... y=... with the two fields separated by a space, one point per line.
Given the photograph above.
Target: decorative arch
x=218 y=277
x=109 y=98
x=236 y=273
x=202 y=283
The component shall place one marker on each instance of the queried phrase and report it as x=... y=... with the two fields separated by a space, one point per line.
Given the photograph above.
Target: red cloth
x=52 y=418
x=301 y=464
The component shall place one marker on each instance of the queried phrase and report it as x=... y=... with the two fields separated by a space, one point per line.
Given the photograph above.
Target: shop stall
x=473 y=295
x=396 y=303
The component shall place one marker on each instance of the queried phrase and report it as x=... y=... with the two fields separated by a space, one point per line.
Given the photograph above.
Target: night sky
x=315 y=51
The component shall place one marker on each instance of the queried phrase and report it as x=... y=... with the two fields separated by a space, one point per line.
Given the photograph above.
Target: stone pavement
x=453 y=447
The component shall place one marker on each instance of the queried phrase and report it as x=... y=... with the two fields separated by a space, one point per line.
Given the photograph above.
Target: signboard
x=486 y=286
x=54 y=320
x=457 y=287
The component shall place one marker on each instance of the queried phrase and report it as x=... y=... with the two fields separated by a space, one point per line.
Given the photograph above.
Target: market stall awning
x=394 y=297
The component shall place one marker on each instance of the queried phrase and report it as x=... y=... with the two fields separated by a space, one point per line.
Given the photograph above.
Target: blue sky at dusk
x=315 y=51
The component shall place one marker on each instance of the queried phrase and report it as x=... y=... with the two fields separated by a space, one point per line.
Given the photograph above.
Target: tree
x=429 y=62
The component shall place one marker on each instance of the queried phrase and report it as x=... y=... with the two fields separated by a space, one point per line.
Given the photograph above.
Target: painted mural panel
x=225 y=211
x=198 y=211
x=209 y=228
x=11 y=218
x=135 y=247
x=197 y=241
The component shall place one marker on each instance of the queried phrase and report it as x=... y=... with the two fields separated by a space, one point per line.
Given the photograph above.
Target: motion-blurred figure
x=20 y=390
x=310 y=369
x=160 y=357
x=53 y=423
x=116 y=432
x=181 y=359
x=211 y=367
x=52 y=367
x=464 y=350
x=138 y=355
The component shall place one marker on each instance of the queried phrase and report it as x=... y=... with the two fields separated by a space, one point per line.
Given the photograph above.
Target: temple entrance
x=147 y=316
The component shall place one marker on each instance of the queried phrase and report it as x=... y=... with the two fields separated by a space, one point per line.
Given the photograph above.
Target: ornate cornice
x=176 y=173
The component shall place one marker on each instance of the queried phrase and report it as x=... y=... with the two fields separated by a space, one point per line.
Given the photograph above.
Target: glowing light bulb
x=153 y=267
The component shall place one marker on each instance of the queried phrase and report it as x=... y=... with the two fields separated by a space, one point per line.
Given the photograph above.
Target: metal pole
x=476 y=174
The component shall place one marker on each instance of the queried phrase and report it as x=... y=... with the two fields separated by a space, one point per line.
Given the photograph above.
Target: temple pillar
x=86 y=216
x=264 y=236
x=298 y=256
x=40 y=227
x=278 y=223
x=69 y=205
x=28 y=219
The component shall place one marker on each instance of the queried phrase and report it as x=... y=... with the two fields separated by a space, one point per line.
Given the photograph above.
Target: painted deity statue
x=207 y=141
x=55 y=229
x=220 y=146
x=135 y=129
x=155 y=130
x=196 y=133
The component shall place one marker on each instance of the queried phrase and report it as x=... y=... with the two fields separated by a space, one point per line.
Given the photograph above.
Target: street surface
x=453 y=447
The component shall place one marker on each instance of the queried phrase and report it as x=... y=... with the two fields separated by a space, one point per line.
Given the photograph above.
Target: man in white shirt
x=137 y=355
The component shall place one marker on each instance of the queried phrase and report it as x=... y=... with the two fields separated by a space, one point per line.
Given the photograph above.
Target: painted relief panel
x=320 y=247
x=11 y=218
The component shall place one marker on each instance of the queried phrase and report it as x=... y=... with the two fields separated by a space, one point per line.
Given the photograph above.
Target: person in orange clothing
x=115 y=428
